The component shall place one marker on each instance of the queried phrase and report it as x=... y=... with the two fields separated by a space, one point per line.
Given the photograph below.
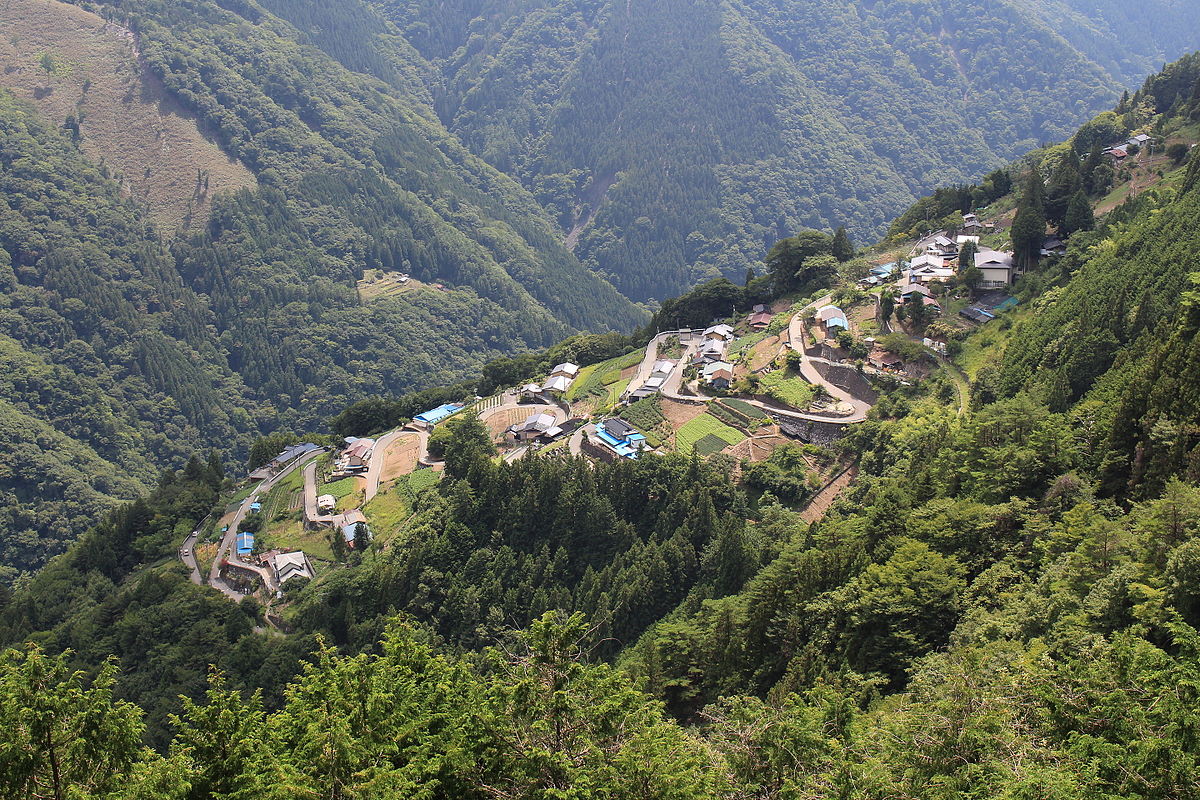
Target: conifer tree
x=843 y=248
x=1079 y=215
x=1064 y=183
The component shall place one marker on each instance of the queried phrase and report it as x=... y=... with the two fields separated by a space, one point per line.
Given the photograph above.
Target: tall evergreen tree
x=1029 y=226
x=1063 y=185
x=843 y=248
x=1079 y=215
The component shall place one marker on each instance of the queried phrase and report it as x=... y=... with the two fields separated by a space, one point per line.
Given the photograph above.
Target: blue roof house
x=435 y=415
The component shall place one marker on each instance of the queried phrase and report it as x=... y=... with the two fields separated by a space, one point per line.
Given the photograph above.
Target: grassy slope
x=128 y=121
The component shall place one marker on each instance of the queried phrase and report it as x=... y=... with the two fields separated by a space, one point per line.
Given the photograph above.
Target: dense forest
x=813 y=114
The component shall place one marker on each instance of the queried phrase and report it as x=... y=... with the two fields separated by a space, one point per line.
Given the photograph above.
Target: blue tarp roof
x=837 y=322
x=883 y=269
x=619 y=446
x=436 y=415
x=245 y=543
x=256 y=506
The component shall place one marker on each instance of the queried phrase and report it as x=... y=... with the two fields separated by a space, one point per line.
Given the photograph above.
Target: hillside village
x=792 y=373
x=740 y=388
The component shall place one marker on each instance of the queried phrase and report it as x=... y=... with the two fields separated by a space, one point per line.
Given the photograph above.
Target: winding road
x=672 y=389
x=227 y=542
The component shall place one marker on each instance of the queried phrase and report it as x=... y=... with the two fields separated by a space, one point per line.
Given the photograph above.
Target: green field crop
x=595 y=378
x=702 y=426
x=790 y=389
x=744 y=408
x=338 y=489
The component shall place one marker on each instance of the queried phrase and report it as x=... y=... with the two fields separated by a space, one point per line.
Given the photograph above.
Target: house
x=722 y=332
x=760 y=320
x=326 y=503
x=1053 y=246
x=884 y=270
x=358 y=455
x=1117 y=153
x=557 y=384
x=914 y=289
x=351 y=529
x=655 y=383
x=291 y=565
x=619 y=428
x=719 y=374
x=566 y=370
x=942 y=246
x=963 y=239
x=712 y=350
x=531 y=392
x=758 y=308
x=882 y=359
x=976 y=314
x=926 y=274
x=662 y=367
x=619 y=438
x=997 y=268
x=533 y=427
x=1139 y=141
x=832 y=317
x=971 y=222
x=433 y=416
x=932 y=304
x=927 y=260
x=347 y=523
x=287 y=456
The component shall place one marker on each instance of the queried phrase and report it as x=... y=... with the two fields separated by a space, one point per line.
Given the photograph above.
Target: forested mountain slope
x=110 y=368
x=250 y=320
x=688 y=135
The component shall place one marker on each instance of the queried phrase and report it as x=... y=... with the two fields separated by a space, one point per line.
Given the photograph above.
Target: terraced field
x=706 y=435
x=600 y=379
x=381 y=287
x=788 y=388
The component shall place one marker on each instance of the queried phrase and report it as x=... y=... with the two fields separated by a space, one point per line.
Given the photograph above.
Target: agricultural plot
x=645 y=415
x=401 y=457
x=704 y=433
x=284 y=497
x=745 y=343
x=743 y=408
x=499 y=422
x=386 y=512
x=290 y=534
x=339 y=489
x=598 y=379
x=790 y=389
x=421 y=479
x=377 y=286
